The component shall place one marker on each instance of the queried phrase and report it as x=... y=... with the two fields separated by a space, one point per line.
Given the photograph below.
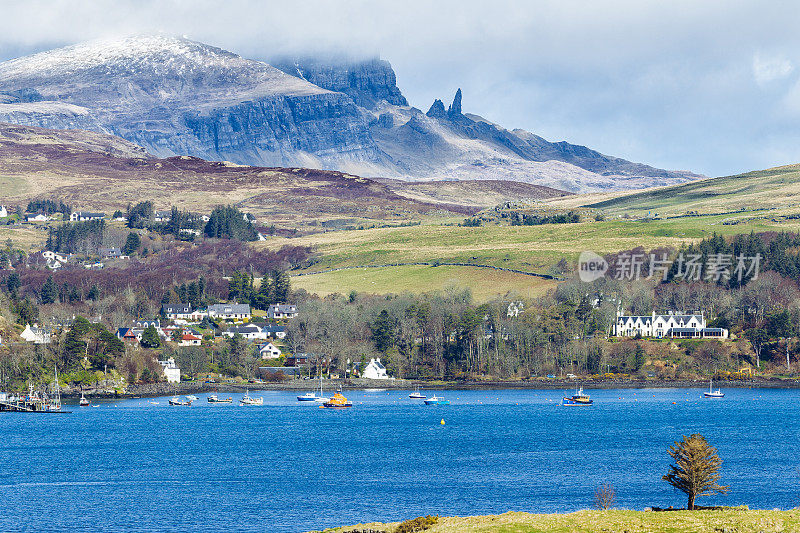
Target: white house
x=190 y=339
x=250 y=332
x=229 y=311
x=374 y=370
x=271 y=330
x=82 y=216
x=3 y=211
x=36 y=217
x=670 y=325
x=162 y=216
x=171 y=370
x=177 y=311
x=280 y=311
x=269 y=351
x=35 y=334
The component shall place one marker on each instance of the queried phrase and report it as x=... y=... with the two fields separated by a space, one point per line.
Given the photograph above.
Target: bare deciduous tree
x=604 y=496
x=696 y=468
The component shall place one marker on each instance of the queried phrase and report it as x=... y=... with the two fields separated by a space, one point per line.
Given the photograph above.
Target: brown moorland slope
x=96 y=171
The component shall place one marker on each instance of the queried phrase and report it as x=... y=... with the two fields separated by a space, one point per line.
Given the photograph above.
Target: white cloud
x=769 y=69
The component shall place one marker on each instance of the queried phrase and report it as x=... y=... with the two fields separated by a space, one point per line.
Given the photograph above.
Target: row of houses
x=233 y=312
x=190 y=337
x=670 y=325
x=185 y=313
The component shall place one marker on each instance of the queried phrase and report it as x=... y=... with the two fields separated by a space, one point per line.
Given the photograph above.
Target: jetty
x=32 y=402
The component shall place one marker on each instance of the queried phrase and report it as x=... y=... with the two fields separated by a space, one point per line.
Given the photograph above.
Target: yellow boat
x=337 y=401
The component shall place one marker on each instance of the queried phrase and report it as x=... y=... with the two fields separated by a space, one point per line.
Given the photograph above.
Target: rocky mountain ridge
x=174 y=96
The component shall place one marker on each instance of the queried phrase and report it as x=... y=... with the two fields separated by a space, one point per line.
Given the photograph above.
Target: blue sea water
x=290 y=466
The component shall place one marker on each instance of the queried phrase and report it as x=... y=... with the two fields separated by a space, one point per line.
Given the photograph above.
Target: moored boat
x=579 y=398
x=337 y=401
x=417 y=395
x=307 y=397
x=83 y=402
x=435 y=400
x=247 y=400
x=177 y=401
x=713 y=393
x=216 y=399
x=192 y=398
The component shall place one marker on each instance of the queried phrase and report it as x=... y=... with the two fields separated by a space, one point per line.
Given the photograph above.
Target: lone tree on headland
x=696 y=468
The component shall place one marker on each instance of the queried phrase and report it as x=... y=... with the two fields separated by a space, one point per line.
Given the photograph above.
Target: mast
x=58 y=388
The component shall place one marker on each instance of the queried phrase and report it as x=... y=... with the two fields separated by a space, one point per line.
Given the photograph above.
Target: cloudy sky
x=711 y=86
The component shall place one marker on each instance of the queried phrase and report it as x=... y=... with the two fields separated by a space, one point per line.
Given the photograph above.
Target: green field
x=485 y=284
x=729 y=520
x=529 y=248
x=775 y=189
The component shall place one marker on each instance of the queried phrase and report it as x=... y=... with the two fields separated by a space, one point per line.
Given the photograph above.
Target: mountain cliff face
x=366 y=82
x=174 y=96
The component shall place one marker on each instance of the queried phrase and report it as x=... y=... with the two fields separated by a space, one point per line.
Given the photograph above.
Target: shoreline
x=176 y=389
x=739 y=519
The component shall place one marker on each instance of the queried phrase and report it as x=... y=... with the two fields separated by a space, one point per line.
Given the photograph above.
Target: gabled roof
x=283 y=308
x=229 y=309
x=250 y=328
x=176 y=308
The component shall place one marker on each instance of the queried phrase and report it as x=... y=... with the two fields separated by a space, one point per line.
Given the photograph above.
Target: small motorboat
x=247 y=400
x=312 y=396
x=192 y=398
x=153 y=402
x=435 y=400
x=713 y=393
x=308 y=397
x=579 y=398
x=177 y=401
x=83 y=402
x=216 y=399
x=337 y=401
x=417 y=395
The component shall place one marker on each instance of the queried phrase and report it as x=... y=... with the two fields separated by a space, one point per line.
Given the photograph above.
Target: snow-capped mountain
x=174 y=96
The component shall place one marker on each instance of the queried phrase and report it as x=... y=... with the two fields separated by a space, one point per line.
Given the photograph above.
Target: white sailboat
x=713 y=393
x=417 y=395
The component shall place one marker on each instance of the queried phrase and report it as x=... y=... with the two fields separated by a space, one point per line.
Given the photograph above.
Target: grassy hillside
x=776 y=188
x=729 y=520
x=484 y=284
x=530 y=248
x=527 y=248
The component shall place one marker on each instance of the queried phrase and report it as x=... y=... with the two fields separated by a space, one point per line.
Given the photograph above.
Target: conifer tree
x=696 y=468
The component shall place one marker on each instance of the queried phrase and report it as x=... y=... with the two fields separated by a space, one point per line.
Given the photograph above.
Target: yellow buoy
x=442 y=422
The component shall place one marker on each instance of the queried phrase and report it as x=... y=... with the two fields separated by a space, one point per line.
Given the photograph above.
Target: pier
x=33 y=402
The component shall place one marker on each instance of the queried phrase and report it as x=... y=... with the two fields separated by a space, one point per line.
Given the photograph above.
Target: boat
x=713 y=393
x=192 y=398
x=153 y=402
x=417 y=395
x=337 y=401
x=435 y=400
x=312 y=396
x=247 y=400
x=177 y=401
x=215 y=399
x=308 y=397
x=579 y=398
x=83 y=402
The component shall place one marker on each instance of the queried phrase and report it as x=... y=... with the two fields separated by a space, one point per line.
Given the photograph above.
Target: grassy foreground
x=728 y=520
